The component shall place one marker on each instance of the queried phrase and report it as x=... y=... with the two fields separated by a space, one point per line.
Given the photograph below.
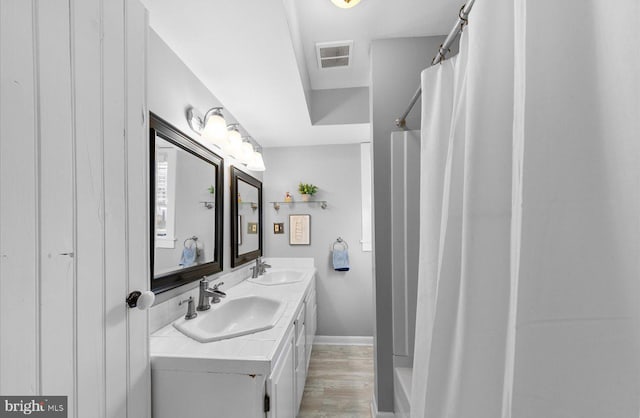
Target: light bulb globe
x=215 y=129
x=345 y=4
x=256 y=163
x=246 y=153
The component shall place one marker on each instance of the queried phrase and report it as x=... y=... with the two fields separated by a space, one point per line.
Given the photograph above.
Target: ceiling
x=258 y=56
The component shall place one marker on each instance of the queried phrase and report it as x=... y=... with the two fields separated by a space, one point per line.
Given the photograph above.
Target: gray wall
x=396 y=65
x=172 y=89
x=345 y=302
x=340 y=106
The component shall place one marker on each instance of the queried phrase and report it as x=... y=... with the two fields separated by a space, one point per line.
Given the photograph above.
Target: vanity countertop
x=247 y=354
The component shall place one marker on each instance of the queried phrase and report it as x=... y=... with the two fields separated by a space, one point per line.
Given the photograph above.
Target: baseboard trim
x=377 y=414
x=342 y=340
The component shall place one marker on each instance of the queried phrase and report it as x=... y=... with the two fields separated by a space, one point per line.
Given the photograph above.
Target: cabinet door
x=281 y=384
x=310 y=323
x=301 y=367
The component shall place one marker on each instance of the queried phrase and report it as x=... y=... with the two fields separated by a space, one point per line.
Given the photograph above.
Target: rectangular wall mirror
x=186 y=208
x=246 y=217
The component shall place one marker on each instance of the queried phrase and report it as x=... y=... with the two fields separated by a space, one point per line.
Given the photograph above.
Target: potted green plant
x=307 y=190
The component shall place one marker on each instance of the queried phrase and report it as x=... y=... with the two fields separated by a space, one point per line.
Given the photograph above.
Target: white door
x=280 y=385
x=73 y=204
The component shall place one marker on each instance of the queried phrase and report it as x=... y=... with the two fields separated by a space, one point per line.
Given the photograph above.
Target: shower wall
x=405 y=240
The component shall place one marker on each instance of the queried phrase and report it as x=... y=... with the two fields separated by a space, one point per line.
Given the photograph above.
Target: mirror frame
x=239 y=259
x=171 y=280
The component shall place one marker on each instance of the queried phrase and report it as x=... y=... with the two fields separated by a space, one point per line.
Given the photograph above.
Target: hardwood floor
x=339 y=383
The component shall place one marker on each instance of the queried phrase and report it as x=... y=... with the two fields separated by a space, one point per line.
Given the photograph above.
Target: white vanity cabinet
x=260 y=375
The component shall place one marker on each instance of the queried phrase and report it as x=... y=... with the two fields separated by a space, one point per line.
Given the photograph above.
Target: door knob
x=141 y=300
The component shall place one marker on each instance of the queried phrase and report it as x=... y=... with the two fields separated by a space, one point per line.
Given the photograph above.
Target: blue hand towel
x=341 y=260
x=188 y=256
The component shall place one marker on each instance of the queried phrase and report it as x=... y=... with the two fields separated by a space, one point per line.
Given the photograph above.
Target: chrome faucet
x=259 y=269
x=206 y=293
x=191 y=310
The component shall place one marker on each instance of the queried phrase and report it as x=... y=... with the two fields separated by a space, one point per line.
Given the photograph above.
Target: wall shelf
x=253 y=205
x=208 y=204
x=276 y=205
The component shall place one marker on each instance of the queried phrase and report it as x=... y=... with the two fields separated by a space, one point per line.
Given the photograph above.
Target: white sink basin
x=232 y=318
x=277 y=277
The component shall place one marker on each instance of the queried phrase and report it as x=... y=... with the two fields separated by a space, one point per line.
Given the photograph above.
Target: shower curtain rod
x=440 y=56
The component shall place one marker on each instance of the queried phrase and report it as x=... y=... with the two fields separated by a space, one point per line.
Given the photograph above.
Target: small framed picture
x=299 y=229
x=278 y=228
x=252 y=227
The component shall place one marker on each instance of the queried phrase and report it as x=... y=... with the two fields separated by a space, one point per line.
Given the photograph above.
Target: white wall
x=74 y=204
x=345 y=301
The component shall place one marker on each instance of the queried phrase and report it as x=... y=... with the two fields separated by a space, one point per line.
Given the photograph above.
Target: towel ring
x=194 y=240
x=342 y=242
x=194 y=244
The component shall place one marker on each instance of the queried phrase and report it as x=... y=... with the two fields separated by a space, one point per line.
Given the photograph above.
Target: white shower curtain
x=529 y=291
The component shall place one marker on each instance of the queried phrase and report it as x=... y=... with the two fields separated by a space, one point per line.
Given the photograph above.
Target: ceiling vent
x=334 y=54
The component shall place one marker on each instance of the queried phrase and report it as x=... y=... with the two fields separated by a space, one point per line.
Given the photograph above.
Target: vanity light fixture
x=234 y=141
x=256 y=163
x=253 y=155
x=213 y=129
x=212 y=126
x=345 y=4
x=246 y=152
x=233 y=133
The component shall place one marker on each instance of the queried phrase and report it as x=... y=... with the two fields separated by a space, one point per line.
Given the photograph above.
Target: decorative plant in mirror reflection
x=211 y=189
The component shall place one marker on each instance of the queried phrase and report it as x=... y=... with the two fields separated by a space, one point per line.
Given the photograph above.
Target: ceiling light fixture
x=345 y=4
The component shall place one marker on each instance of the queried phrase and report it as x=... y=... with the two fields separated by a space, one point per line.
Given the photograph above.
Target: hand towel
x=341 y=260
x=188 y=256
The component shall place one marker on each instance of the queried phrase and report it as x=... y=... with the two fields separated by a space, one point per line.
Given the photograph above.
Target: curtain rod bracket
x=464 y=17
x=461 y=22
